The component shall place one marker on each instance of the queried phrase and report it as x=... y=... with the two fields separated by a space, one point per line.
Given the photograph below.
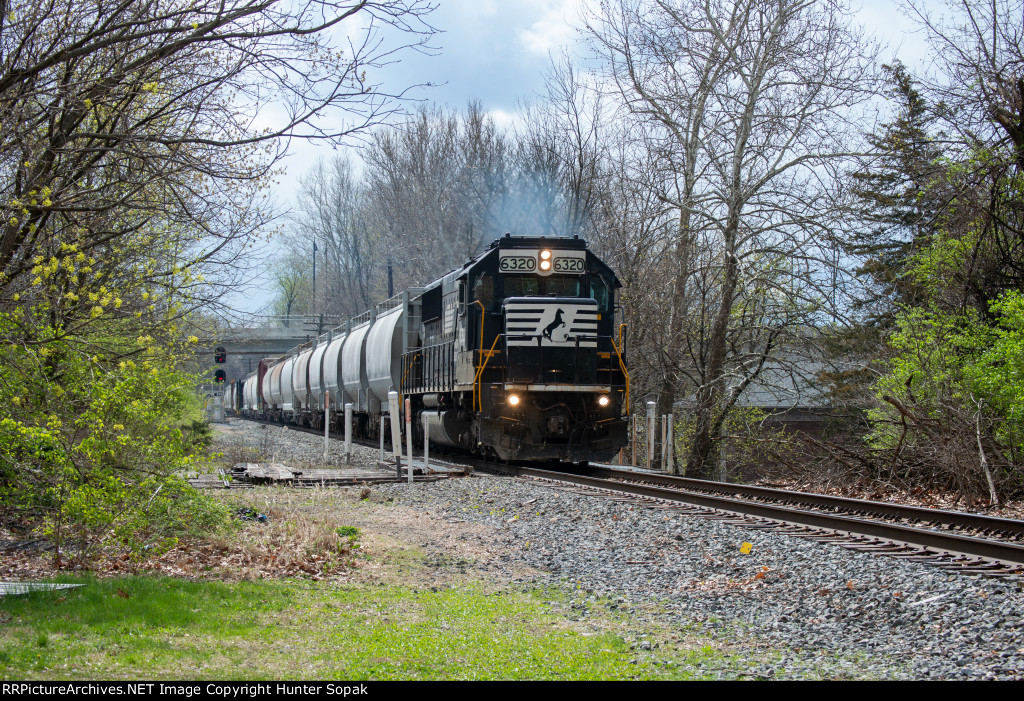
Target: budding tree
x=135 y=141
x=139 y=133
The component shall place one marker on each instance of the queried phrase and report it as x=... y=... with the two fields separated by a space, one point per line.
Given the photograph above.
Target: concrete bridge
x=262 y=337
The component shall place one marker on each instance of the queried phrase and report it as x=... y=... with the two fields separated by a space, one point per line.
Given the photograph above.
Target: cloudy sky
x=496 y=52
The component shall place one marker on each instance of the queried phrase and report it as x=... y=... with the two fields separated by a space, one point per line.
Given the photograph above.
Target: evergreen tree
x=902 y=196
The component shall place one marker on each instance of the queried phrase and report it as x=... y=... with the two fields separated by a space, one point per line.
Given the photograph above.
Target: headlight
x=545 y=265
x=545 y=255
x=513 y=399
x=603 y=401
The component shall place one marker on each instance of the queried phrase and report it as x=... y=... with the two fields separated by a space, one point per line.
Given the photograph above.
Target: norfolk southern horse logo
x=546 y=333
x=535 y=322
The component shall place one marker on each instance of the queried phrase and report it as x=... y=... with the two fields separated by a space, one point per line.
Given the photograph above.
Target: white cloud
x=503 y=119
x=553 y=29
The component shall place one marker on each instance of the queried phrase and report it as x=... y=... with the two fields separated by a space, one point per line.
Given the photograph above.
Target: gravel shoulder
x=793 y=608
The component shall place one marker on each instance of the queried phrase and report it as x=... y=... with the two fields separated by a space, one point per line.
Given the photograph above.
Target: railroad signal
x=220 y=355
x=219 y=376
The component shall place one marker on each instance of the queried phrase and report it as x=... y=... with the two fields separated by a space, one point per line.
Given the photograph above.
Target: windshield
x=550 y=286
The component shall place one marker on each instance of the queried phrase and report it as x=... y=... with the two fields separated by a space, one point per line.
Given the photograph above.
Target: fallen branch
x=993 y=498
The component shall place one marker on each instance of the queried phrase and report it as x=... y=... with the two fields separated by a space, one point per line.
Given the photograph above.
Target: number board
x=528 y=261
x=564 y=264
x=516 y=262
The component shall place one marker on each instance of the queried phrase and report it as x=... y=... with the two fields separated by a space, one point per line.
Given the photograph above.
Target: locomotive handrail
x=407 y=366
x=622 y=366
x=430 y=368
x=477 y=393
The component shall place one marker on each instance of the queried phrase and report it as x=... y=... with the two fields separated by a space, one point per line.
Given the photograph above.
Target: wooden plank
x=254 y=471
x=276 y=471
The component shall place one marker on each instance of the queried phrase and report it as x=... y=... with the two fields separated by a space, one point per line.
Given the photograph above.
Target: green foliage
x=201 y=433
x=942 y=245
x=933 y=348
x=996 y=376
x=145 y=519
x=351 y=533
x=957 y=379
x=92 y=440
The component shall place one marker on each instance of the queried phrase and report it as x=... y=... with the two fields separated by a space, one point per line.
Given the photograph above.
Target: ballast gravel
x=812 y=609
x=792 y=607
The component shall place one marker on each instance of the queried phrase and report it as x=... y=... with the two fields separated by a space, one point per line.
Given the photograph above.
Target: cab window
x=521 y=286
x=535 y=285
x=599 y=292
x=483 y=290
x=562 y=285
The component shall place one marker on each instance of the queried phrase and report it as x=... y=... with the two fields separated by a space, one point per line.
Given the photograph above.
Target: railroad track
x=1011 y=530
x=319 y=478
x=952 y=540
x=964 y=542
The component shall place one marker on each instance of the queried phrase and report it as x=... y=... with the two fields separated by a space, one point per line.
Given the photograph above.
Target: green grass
x=175 y=629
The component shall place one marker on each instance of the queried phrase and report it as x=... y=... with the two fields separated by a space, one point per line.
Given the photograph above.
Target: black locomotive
x=517 y=354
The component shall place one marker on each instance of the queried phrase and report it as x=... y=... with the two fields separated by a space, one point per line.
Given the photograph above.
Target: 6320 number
x=517 y=263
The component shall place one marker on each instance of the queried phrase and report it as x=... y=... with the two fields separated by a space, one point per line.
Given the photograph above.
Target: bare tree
x=433 y=184
x=749 y=105
x=333 y=211
x=139 y=133
x=979 y=51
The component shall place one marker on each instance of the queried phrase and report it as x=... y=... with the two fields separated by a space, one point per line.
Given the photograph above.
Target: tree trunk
x=703 y=457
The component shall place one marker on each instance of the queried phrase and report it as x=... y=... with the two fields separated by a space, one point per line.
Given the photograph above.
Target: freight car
x=516 y=355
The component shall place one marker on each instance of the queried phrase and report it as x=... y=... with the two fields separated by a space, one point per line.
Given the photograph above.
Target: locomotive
x=515 y=355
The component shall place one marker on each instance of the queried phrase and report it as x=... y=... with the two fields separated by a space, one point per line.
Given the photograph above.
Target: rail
x=828 y=524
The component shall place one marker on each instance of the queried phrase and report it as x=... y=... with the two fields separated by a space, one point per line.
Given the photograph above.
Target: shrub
x=94 y=436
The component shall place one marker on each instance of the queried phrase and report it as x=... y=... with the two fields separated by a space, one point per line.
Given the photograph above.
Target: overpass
x=260 y=337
